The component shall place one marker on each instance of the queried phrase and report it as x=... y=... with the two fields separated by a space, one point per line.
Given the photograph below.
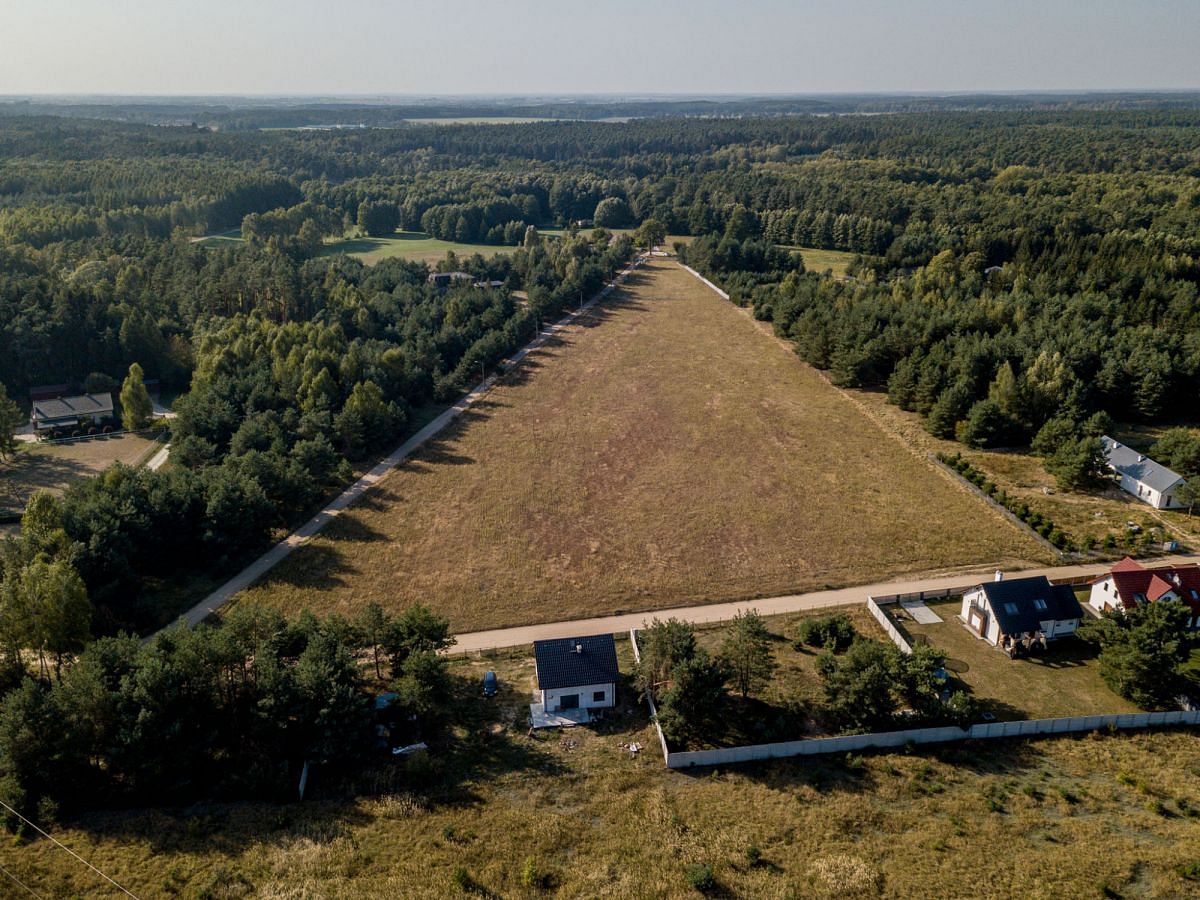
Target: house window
x=1039 y=603
x=1010 y=608
x=598 y=696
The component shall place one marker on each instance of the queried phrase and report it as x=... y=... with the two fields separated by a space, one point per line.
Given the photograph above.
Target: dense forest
x=1020 y=275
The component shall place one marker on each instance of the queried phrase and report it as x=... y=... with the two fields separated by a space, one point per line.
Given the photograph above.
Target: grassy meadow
x=1087 y=816
x=835 y=261
x=664 y=451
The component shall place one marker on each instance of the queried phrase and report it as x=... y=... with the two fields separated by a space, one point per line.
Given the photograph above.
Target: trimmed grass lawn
x=1065 y=681
x=664 y=451
x=54 y=467
x=414 y=245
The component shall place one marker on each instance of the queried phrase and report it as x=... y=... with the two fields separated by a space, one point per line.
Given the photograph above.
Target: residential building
x=1130 y=584
x=577 y=673
x=68 y=412
x=1005 y=612
x=1141 y=476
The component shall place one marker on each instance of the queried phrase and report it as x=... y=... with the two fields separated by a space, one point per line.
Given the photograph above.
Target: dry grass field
x=50 y=467
x=1064 y=817
x=664 y=452
x=1094 y=513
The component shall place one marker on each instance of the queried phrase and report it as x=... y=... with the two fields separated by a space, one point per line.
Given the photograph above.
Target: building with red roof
x=1129 y=584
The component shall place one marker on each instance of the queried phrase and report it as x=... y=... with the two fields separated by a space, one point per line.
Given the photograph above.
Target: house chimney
x=579 y=648
x=1141 y=458
x=999 y=575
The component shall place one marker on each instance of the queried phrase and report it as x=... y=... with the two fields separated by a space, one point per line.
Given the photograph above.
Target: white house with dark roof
x=577 y=673
x=1141 y=476
x=1003 y=612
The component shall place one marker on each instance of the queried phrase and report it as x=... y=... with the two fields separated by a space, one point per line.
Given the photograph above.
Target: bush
x=531 y=877
x=834 y=633
x=700 y=877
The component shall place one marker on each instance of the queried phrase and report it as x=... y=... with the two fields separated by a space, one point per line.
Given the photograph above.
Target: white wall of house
x=1158 y=499
x=1104 y=595
x=589 y=696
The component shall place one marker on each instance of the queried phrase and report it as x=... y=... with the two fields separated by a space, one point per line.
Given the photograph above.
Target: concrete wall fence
x=890 y=739
x=851 y=743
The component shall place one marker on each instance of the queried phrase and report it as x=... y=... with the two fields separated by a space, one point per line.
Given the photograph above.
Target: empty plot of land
x=415 y=245
x=663 y=452
x=53 y=467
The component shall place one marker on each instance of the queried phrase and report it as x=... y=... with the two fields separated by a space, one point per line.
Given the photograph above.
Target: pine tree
x=10 y=421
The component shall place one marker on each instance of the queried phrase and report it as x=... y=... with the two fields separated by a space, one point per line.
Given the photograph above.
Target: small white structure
x=1022 y=609
x=1130 y=584
x=1141 y=476
x=577 y=673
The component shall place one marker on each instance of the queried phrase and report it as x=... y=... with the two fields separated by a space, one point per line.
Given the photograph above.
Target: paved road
x=159 y=459
x=721 y=612
x=280 y=551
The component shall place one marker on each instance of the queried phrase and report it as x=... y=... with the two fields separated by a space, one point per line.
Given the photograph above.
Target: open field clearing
x=816 y=260
x=665 y=452
x=1074 y=816
x=53 y=467
x=1064 y=681
x=1021 y=474
x=414 y=245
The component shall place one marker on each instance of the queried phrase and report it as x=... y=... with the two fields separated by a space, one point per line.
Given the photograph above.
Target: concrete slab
x=563 y=718
x=921 y=613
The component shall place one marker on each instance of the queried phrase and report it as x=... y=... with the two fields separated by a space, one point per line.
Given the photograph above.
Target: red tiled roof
x=1128 y=564
x=1153 y=584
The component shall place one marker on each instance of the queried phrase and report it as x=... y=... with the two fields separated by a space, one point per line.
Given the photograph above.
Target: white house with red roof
x=1130 y=584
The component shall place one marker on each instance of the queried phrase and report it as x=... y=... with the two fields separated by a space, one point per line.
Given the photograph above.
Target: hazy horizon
x=139 y=48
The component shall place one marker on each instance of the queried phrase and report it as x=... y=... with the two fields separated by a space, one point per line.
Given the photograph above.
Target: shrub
x=753 y=855
x=531 y=877
x=700 y=877
x=835 y=633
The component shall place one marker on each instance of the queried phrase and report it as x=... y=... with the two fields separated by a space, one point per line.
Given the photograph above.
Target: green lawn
x=407 y=245
x=1064 y=682
x=819 y=260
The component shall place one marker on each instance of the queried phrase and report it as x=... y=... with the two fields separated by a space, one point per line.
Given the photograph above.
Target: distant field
x=407 y=245
x=54 y=467
x=668 y=452
x=820 y=260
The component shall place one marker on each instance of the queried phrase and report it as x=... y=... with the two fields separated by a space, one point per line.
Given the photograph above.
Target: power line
x=59 y=843
x=20 y=882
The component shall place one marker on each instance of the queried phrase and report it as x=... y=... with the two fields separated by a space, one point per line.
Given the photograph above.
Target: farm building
x=447 y=279
x=1131 y=584
x=67 y=412
x=1141 y=476
x=1008 y=612
x=576 y=673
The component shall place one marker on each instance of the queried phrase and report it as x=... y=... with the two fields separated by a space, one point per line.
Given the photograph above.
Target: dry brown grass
x=1020 y=474
x=53 y=467
x=1061 y=817
x=666 y=452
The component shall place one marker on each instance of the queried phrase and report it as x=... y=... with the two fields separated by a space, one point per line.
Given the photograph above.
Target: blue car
x=489 y=685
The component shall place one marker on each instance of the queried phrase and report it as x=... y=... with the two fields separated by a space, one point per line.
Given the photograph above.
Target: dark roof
x=559 y=665
x=73 y=407
x=1015 y=603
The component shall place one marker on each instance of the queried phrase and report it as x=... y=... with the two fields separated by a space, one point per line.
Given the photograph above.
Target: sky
x=306 y=47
